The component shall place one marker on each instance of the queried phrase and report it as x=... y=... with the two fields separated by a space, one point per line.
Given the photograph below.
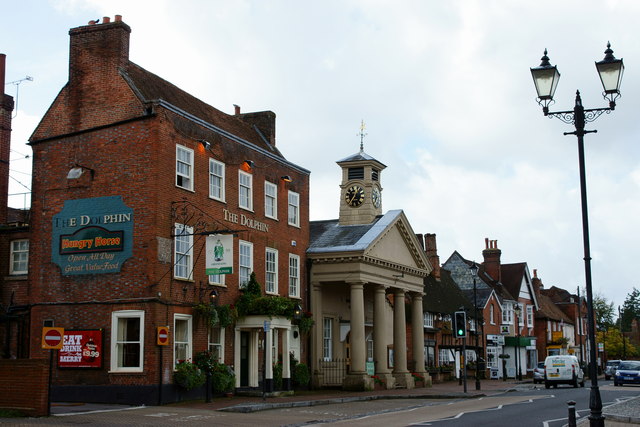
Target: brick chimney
x=536 y=282
x=264 y=121
x=431 y=250
x=491 y=255
x=6 y=110
x=96 y=53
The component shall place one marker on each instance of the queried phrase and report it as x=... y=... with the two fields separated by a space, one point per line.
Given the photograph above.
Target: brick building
x=14 y=245
x=142 y=195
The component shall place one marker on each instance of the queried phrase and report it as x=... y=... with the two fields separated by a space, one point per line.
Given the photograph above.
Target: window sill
x=16 y=277
x=139 y=373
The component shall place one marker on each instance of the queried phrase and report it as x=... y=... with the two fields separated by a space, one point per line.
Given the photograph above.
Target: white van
x=563 y=369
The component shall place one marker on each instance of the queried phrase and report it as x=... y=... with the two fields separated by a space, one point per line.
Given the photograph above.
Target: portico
x=364 y=279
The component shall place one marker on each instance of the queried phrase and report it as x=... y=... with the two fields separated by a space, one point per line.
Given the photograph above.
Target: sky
x=444 y=90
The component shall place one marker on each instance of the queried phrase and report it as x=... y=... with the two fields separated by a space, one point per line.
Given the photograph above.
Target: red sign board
x=163 y=335
x=52 y=338
x=81 y=349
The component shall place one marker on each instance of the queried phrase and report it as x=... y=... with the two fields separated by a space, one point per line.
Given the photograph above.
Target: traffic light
x=460 y=324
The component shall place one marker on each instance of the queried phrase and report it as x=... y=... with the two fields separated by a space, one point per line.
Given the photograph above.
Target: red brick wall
x=24 y=385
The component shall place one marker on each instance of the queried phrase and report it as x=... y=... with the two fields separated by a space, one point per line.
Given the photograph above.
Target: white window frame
x=183 y=238
x=217 y=279
x=507 y=314
x=216 y=180
x=271 y=271
x=245 y=262
x=293 y=211
x=530 y=316
x=211 y=344
x=178 y=317
x=521 y=316
x=492 y=318
x=116 y=342
x=184 y=179
x=427 y=319
x=19 y=257
x=245 y=190
x=327 y=339
x=294 y=276
x=270 y=200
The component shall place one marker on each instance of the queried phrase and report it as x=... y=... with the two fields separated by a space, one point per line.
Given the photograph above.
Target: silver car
x=538 y=373
x=610 y=369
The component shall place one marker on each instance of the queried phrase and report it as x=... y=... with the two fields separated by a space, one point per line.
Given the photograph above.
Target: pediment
x=397 y=244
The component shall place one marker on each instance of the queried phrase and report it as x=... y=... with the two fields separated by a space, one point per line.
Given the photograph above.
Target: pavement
x=620 y=414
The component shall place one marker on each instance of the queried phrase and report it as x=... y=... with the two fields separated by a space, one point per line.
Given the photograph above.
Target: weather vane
x=362 y=135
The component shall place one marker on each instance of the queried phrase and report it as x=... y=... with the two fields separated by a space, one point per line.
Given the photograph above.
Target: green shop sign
x=92 y=236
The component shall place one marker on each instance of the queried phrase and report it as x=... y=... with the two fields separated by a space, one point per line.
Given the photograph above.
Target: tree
x=603 y=312
x=613 y=345
x=630 y=309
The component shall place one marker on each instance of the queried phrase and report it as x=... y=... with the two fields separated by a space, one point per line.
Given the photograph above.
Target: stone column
x=358 y=345
x=268 y=369
x=357 y=379
x=379 y=337
x=317 y=378
x=403 y=377
x=417 y=334
x=286 y=362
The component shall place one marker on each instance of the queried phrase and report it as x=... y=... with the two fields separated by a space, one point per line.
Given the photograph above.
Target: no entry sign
x=163 y=335
x=52 y=338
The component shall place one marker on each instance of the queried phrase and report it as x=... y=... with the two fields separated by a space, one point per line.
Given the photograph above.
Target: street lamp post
x=546 y=79
x=518 y=311
x=474 y=274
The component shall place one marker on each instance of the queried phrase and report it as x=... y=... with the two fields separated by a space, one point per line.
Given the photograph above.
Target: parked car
x=610 y=369
x=562 y=369
x=628 y=372
x=538 y=373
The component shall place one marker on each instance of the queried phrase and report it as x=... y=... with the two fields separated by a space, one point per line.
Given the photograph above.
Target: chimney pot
x=118 y=18
x=486 y=243
x=236 y=109
x=106 y=19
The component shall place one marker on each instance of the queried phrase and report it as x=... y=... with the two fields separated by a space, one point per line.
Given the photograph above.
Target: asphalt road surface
x=528 y=406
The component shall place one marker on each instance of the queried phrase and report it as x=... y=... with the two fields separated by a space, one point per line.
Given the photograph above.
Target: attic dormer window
x=356 y=173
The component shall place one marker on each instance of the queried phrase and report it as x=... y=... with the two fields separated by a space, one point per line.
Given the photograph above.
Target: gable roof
x=330 y=238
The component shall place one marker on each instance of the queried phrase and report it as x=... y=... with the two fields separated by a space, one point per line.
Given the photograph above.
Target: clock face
x=354 y=196
x=376 y=197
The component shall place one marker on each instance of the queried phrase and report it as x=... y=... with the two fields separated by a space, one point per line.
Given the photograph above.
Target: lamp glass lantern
x=610 y=71
x=545 y=77
x=474 y=269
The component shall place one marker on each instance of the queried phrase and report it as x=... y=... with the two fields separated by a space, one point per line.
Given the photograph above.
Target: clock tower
x=360 y=189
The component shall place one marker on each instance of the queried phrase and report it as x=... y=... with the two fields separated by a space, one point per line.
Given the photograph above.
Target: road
x=527 y=406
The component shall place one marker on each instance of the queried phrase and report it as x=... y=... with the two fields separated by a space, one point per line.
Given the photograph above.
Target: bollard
x=572 y=413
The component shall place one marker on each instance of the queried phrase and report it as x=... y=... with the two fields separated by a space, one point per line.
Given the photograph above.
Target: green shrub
x=277 y=376
x=188 y=375
x=301 y=375
x=223 y=380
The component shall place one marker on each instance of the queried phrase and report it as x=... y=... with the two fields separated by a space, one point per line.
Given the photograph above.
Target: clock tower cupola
x=360 y=189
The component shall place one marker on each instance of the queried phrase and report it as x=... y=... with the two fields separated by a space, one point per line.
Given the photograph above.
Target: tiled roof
x=443 y=296
x=361 y=155
x=151 y=88
x=330 y=236
x=548 y=310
